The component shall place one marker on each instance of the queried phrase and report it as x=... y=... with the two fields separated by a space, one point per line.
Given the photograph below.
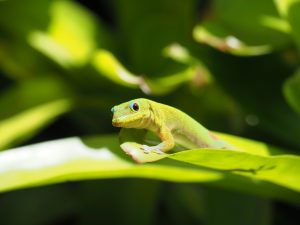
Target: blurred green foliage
x=233 y=65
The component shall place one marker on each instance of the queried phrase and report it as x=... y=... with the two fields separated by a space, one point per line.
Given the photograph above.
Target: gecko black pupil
x=135 y=107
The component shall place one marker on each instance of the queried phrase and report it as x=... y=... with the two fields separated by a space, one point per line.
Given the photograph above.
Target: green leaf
x=291 y=90
x=72 y=35
x=100 y=157
x=250 y=146
x=250 y=158
x=30 y=106
x=76 y=159
x=290 y=9
x=27 y=123
x=132 y=139
x=168 y=83
x=214 y=35
x=110 y=67
x=23 y=96
x=256 y=22
x=282 y=169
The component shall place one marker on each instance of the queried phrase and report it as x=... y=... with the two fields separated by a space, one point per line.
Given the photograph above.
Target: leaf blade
x=25 y=124
x=75 y=159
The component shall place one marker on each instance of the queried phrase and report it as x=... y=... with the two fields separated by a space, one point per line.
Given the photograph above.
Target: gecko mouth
x=124 y=121
x=116 y=123
x=120 y=121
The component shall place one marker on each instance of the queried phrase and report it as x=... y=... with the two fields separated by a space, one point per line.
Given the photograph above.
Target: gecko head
x=131 y=114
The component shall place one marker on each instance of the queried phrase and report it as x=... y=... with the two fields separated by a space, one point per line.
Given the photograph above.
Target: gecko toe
x=158 y=151
x=146 y=149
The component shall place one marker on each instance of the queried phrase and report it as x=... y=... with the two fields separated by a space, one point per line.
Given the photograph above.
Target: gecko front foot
x=148 y=149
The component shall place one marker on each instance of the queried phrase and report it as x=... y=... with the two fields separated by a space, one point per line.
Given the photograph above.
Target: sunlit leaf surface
x=76 y=159
x=101 y=157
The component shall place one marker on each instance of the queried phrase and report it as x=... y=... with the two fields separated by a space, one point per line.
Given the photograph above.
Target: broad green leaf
x=52 y=49
x=249 y=159
x=250 y=146
x=25 y=124
x=282 y=169
x=132 y=139
x=76 y=159
x=100 y=157
x=291 y=90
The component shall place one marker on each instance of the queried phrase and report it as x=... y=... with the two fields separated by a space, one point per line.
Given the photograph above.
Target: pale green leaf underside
x=101 y=157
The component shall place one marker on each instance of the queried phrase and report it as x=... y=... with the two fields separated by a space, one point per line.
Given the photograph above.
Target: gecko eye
x=134 y=106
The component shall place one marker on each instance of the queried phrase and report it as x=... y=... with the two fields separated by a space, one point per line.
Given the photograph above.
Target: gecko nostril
x=112 y=109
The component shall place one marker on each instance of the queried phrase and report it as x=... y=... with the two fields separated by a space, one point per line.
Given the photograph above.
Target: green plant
x=233 y=65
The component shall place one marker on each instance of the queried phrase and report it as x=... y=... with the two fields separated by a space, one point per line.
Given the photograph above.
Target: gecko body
x=168 y=123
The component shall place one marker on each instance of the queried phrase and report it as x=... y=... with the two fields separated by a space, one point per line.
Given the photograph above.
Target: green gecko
x=170 y=124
